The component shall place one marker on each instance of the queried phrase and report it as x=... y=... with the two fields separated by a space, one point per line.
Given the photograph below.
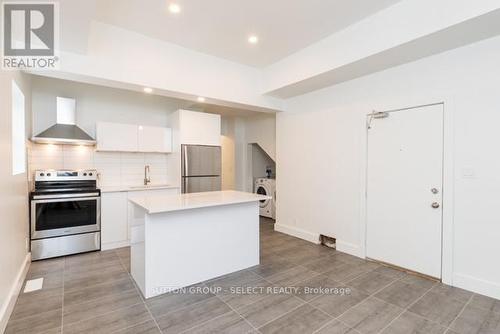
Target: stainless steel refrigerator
x=201 y=168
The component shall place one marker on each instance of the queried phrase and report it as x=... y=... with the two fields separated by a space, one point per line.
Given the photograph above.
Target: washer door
x=262 y=190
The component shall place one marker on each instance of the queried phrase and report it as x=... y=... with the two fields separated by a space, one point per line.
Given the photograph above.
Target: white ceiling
x=221 y=27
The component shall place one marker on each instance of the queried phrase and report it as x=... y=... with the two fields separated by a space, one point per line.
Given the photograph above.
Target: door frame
x=448 y=179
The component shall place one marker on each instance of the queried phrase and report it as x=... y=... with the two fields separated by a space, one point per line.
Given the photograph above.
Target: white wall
x=238 y=133
x=94 y=104
x=14 y=197
x=98 y=103
x=321 y=154
x=261 y=129
x=117 y=56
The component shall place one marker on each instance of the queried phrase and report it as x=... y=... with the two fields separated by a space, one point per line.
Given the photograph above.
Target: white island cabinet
x=180 y=240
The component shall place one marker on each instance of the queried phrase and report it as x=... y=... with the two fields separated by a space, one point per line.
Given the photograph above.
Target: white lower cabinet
x=117 y=214
x=114 y=227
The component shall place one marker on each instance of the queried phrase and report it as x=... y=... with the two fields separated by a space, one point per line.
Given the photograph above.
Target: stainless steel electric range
x=65 y=213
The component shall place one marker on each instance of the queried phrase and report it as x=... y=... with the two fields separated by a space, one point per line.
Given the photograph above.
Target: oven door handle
x=65 y=196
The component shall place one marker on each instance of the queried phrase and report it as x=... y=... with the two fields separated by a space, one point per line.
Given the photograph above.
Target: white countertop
x=168 y=203
x=113 y=189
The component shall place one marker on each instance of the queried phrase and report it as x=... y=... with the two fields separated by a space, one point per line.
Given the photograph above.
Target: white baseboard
x=480 y=286
x=351 y=249
x=15 y=289
x=297 y=232
x=113 y=245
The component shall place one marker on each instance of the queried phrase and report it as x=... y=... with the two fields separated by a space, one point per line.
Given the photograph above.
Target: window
x=18 y=131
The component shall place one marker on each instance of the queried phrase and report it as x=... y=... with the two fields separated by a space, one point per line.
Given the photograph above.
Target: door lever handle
x=435 y=205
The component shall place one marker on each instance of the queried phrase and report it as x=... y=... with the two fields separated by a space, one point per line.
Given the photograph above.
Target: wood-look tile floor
x=333 y=293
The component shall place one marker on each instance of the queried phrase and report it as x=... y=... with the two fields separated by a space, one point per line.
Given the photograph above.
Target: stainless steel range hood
x=65 y=130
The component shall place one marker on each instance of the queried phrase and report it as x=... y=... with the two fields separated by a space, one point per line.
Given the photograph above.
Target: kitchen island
x=180 y=240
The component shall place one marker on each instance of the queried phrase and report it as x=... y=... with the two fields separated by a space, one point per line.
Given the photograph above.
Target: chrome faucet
x=147 y=178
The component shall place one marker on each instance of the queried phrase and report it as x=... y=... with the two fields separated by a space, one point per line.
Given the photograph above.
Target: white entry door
x=404 y=189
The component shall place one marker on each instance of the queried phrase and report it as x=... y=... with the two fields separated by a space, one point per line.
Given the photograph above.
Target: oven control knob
x=42 y=174
x=84 y=174
x=90 y=174
x=48 y=174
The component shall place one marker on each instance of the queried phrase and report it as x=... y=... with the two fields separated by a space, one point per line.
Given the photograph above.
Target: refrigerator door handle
x=186 y=160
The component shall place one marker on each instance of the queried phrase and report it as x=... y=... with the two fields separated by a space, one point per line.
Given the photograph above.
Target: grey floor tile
x=349 y=271
x=404 y=292
x=169 y=302
x=110 y=322
x=234 y=279
x=438 y=308
x=97 y=307
x=123 y=252
x=269 y=308
x=37 y=323
x=189 y=317
x=228 y=323
x=50 y=266
x=336 y=327
x=323 y=264
x=75 y=270
x=411 y=323
x=273 y=267
x=50 y=281
x=476 y=320
x=390 y=272
x=291 y=276
x=98 y=291
x=106 y=276
x=347 y=258
x=371 y=316
x=36 y=302
x=305 y=319
x=486 y=303
x=371 y=282
x=89 y=259
x=337 y=304
x=249 y=293
x=419 y=281
x=99 y=296
x=53 y=331
x=452 y=292
x=148 y=327
x=305 y=254
x=316 y=286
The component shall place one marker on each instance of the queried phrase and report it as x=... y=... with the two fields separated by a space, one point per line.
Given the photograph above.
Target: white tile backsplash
x=115 y=168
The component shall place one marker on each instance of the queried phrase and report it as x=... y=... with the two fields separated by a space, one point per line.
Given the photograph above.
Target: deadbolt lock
x=435 y=205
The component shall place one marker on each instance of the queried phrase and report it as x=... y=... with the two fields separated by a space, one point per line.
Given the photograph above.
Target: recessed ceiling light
x=148 y=90
x=253 y=39
x=174 y=8
x=201 y=99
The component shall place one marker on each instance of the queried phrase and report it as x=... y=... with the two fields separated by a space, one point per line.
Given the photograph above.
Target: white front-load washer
x=266 y=187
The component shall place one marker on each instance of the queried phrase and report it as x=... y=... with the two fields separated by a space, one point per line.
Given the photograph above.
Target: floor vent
x=328 y=241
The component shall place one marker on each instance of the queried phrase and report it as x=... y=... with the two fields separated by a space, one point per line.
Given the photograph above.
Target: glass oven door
x=51 y=217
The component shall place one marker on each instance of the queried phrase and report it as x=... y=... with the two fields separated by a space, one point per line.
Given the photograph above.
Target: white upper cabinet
x=154 y=139
x=199 y=128
x=116 y=137
x=133 y=138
